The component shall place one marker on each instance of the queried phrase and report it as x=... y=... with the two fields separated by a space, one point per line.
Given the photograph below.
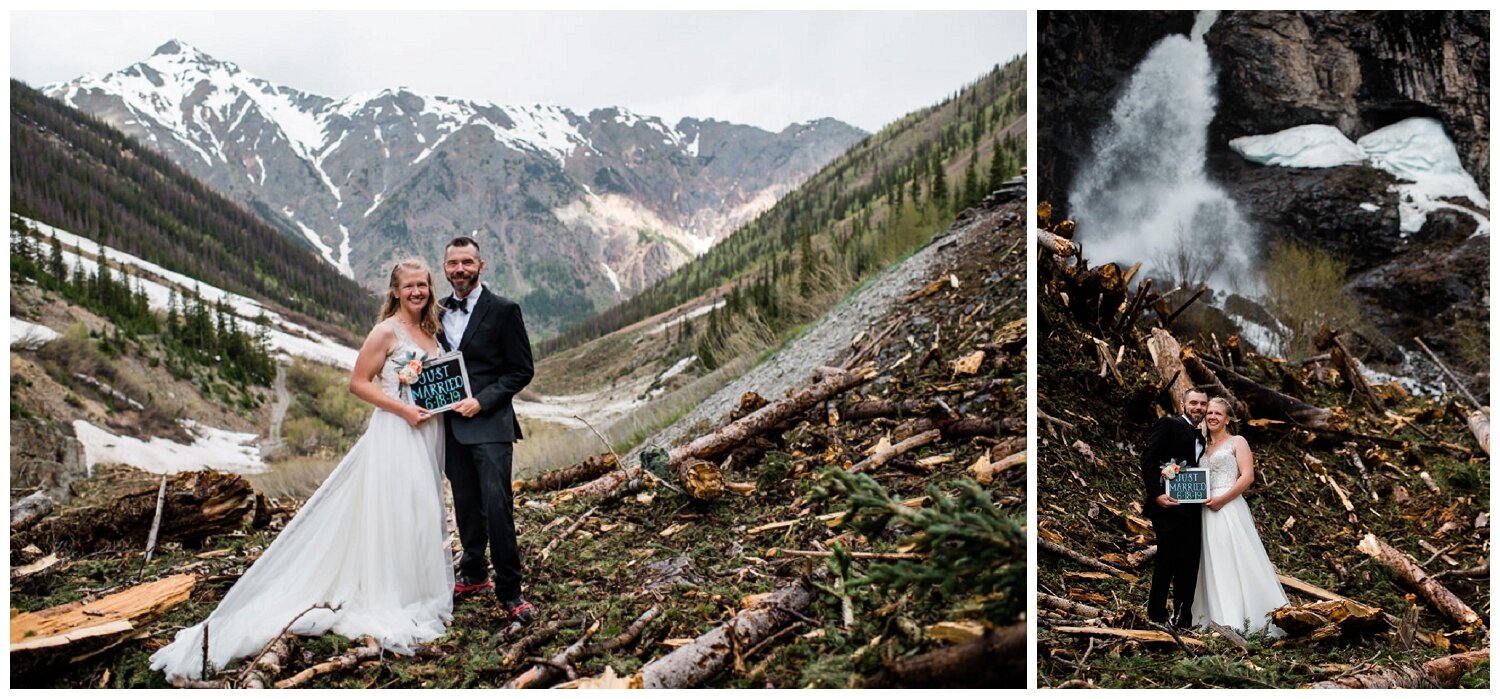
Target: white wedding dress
x=371 y=542
x=1237 y=587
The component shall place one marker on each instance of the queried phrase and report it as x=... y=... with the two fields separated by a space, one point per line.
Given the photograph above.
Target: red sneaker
x=520 y=610
x=463 y=587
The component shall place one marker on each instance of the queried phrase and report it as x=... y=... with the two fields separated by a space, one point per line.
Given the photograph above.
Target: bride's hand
x=1214 y=503
x=413 y=415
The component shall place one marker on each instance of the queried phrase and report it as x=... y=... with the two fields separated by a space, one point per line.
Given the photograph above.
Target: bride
x=372 y=542
x=1237 y=587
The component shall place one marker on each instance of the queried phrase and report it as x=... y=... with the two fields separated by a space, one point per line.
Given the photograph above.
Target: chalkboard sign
x=1190 y=486
x=443 y=383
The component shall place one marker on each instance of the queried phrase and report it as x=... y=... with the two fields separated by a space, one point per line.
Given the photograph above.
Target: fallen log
x=29 y=510
x=1135 y=560
x=1439 y=672
x=197 y=505
x=995 y=659
x=1267 y=403
x=880 y=457
x=547 y=672
x=1347 y=617
x=371 y=650
x=1069 y=606
x=1410 y=573
x=1327 y=340
x=588 y=469
x=728 y=437
x=1131 y=634
x=1068 y=553
x=80 y=629
x=552 y=545
x=697 y=662
x=1460 y=384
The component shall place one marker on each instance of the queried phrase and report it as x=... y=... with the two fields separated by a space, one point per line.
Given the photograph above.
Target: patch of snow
x=378 y=198
x=324 y=251
x=30 y=335
x=234 y=452
x=614 y=279
x=597 y=407
x=343 y=263
x=284 y=336
x=678 y=368
x=696 y=312
x=1367 y=206
x=1311 y=145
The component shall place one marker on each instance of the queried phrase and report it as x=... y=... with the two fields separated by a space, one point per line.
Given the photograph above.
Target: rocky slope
x=575 y=211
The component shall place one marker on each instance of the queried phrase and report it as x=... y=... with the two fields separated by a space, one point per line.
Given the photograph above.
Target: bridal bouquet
x=408 y=374
x=1170 y=470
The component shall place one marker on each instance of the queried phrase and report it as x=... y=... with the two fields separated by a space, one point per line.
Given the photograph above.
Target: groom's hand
x=468 y=407
x=1166 y=500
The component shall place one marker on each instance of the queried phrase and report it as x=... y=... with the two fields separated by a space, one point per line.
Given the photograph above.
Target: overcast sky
x=767 y=69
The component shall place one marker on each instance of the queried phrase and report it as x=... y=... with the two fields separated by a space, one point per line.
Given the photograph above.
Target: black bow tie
x=456 y=304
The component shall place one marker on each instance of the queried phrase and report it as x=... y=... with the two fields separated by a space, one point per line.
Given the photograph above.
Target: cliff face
x=1358 y=71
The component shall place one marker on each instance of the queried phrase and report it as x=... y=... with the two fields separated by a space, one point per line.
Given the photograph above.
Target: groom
x=489 y=331
x=1179 y=527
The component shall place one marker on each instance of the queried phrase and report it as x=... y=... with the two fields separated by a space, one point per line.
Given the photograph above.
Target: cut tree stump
x=1166 y=354
x=706 y=656
x=1439 y=672
x=700 y=479
x=73 y=631
x=1413 y=575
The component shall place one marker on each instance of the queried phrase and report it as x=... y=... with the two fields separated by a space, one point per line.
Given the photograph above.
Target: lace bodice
x=1223 y=467
x=406 y=350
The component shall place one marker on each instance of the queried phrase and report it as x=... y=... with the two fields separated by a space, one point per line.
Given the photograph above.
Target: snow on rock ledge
x=30 y=335
x=1415 y=150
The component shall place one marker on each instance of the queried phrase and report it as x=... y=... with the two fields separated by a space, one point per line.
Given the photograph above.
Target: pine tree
x=939 y=189
x=971 y=179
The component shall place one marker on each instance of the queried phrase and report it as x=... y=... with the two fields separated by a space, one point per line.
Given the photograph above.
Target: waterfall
x=1144 y=195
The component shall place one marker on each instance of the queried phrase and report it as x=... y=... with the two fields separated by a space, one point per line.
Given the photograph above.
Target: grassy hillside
x=72 y=171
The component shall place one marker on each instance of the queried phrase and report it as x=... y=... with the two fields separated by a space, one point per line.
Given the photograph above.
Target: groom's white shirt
x=455 y=322
x=1197 y=443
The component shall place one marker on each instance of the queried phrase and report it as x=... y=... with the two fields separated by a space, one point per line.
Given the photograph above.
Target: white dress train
x=1237 y=586
x=372 y=542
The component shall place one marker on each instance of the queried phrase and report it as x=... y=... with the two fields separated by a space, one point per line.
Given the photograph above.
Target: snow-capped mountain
x=573 y=212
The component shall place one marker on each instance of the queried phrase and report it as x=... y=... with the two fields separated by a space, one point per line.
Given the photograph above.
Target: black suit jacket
x=497 y=355
x=1171 y=438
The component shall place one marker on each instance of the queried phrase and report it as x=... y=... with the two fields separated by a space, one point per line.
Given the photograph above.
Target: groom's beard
x=462 y=285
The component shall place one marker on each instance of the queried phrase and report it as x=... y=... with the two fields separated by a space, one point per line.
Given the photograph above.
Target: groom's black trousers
x=1179 y=540
x=484 y=507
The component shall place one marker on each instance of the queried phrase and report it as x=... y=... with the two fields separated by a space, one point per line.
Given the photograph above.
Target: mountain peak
x=175 y=46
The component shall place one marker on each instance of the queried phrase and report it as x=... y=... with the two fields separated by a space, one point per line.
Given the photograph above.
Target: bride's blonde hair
x=1230 y=421
x=428 y=319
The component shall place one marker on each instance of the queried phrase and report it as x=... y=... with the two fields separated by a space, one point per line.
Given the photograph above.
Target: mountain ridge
x=588 y=208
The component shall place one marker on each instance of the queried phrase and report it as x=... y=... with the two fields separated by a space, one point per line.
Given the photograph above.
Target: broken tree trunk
x=726 y=438
x=371 y=650
x=1132 y=634
x=198 y=505
x=80 y=629
x=1479 y=425
x=700 y=479
x=589 y=468
x=997 y=658
x=1266 y=403
x=1439 y=672
x=697 y=662
x=1410 y=573
x=29 y=510
x=1056 y=244
x=1198 y=371
x=880 y=457
x=1328 y=341
x=544 y=674
x=1166 y=354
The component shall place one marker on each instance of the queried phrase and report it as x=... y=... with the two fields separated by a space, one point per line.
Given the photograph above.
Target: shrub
x=1305 y=289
